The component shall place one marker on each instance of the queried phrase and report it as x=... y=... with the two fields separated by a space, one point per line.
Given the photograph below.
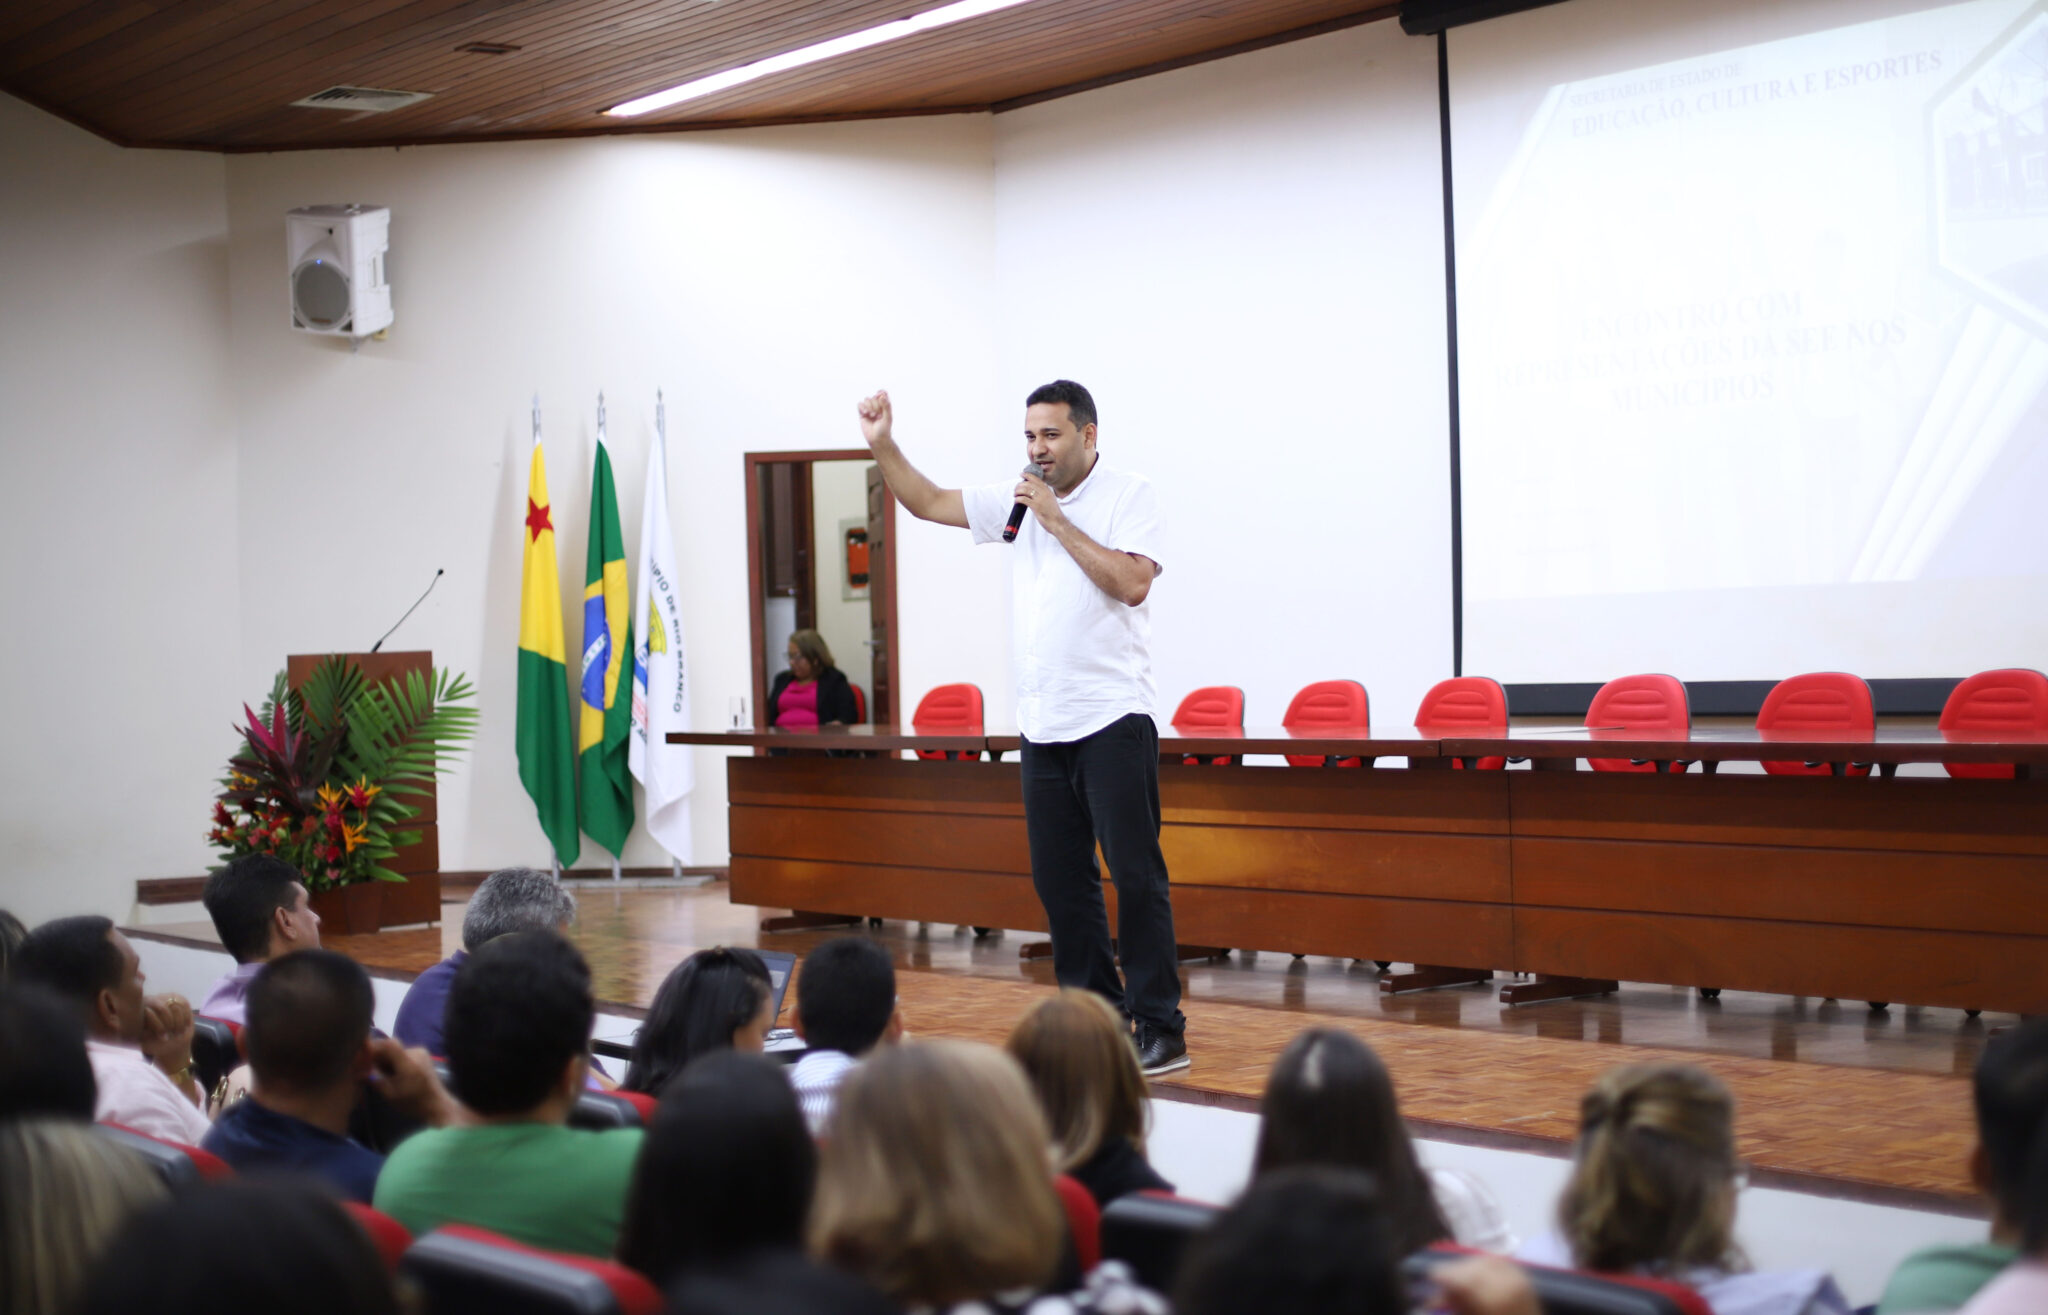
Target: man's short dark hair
x=2012 y=1122
x=308 y=1016
x=241 y=897
x=73 y=957
x=845 y=995
x=44 y=1070
x=519 y=1011
x=1080 y=405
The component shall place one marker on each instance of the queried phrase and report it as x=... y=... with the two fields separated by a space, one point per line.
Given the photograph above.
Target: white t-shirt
x=1080 y=659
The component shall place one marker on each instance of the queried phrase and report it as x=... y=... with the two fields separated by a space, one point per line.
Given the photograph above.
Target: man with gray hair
x=509 y=900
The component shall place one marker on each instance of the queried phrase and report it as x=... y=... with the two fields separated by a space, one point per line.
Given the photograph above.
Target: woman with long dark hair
x=716 y=999
x=725 y=1173
x=1330 y=1102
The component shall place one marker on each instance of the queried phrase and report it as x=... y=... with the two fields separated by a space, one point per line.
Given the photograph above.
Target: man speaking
x=1084 y=560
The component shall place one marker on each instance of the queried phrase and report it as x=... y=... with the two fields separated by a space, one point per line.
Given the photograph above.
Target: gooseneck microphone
x=438 y=572
x=1017 y=512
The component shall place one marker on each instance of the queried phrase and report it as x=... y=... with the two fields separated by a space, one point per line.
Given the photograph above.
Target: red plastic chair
x=1641 y=703
x=1467 y=703
x=1084 y=1219
x=390 y=1237
x=948 y=708
x=1819 y=702
x=860 y=704
x=1210 y=708
x=1332 y=703
x=2011 y=701
x=458 y=1267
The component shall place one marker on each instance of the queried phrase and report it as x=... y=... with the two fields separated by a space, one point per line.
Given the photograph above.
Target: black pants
x=1105 y=788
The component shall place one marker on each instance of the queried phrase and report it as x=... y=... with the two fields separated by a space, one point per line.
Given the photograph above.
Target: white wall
x=764 y=279
x=1243 y=261
x=118 y=542
x=839 y=491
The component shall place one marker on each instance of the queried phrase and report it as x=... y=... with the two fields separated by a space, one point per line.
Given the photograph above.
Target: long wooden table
x=1901 y=889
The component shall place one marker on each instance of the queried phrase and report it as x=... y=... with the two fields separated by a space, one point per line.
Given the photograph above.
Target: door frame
x=757 y=621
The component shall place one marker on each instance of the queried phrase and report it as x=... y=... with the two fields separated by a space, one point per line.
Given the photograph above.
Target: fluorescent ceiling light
x=846 y=45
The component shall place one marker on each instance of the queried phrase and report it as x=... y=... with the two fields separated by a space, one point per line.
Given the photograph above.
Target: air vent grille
x=362 y=100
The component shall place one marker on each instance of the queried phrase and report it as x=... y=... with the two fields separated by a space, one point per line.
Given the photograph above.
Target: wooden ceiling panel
x=221 y=74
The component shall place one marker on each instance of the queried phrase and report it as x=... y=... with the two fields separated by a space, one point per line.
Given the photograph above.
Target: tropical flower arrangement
x=323 y=770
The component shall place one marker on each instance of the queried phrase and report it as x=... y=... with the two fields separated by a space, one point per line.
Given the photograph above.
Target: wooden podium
x=419 y=898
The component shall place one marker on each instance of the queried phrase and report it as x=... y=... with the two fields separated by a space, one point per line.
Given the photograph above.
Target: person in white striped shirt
x=845 y=1007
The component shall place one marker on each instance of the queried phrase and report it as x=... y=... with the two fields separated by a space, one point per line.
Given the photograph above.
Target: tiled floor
x=1831 y=1096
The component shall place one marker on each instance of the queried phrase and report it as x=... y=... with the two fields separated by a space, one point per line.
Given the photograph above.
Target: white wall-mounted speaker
x=336 y=257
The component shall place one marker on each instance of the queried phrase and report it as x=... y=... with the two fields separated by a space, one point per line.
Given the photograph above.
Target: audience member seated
x=2010 y=1273
x=1329 y=1101
x=44 y=1070
x=310 y=1051
x=1076 y=1050
x=845 y=1007
x=65 y=1189
x=518 y=1024
x=725 y=1172
x=258 y=904
x=776 y=1283
x=1653 y=1190
x=11 y=936
x=717 y=999
x=140 y=1047
x=239 y=1247
x=1318 y=1239
x=934 y=1186
x=812 y=692
x=509 y=900
x=1301 y=1239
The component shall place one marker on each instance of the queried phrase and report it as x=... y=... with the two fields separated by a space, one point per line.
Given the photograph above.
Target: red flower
x=332 y=854
x=220 y=813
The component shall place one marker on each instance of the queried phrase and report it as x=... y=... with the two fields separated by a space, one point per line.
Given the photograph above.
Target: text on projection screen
x=1754 y=358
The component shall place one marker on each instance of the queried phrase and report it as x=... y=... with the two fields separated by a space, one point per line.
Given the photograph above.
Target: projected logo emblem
x=1990 y=139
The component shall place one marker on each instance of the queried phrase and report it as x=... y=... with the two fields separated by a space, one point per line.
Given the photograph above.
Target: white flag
x=661 y=675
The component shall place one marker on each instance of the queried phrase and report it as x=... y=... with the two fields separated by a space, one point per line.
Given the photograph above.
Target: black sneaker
x=1160 y=1052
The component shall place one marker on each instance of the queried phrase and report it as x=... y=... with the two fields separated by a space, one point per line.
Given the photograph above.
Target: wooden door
x=881 y=599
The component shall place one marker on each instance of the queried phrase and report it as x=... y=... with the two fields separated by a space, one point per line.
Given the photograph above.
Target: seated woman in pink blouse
x=812 y=692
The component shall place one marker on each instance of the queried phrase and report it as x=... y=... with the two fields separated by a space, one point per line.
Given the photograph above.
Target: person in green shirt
x=517 y=1032
x=2012 y=1102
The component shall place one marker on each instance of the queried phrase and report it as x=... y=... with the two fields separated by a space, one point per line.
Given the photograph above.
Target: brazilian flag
x=547 y=763
x=607 y=721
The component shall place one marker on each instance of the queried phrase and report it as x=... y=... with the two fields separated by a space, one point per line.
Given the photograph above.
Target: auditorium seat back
x=390 y=1237
x=1576 y=1292
x=1327 y=704
x=1819 y=703
x=948 y=708
x=1150 y=1232
x=1640 y=703
x=860 y=704
x=1084 y=1219
x=643 y=1103
x=2013 y=701
x=602 y=1110
x=1471 y=704
x=462 y=1269
x=176 y=1163
x=1210 y=708
x=216 y=1050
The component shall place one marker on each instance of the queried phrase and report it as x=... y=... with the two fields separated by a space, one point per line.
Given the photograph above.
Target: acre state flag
x=547 y=760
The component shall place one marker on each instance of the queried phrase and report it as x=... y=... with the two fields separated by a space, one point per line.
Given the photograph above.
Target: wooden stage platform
x=1833 y=1098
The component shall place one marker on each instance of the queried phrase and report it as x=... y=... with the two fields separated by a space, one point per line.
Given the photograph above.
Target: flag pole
x=554 y=859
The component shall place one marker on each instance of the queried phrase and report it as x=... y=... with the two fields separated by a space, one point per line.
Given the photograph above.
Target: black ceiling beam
x=1426 y=18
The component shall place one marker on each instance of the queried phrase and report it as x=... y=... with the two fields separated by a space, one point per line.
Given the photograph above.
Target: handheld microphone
x=1017 y=512
x=438 y=572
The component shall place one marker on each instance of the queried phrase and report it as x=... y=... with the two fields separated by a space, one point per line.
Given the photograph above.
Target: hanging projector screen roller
x=1753 y=338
